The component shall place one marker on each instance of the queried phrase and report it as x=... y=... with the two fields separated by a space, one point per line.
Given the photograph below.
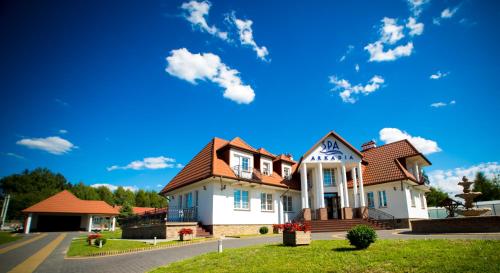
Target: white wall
x=225 y=213
x=205 y=201
x=398 y=200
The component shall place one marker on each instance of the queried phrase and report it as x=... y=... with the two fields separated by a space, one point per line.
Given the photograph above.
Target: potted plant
x=186 y=234
x=295 y=234
x=92 y=237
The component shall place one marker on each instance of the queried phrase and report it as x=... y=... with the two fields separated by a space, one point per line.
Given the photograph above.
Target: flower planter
x=186 y=237
x=296 y=238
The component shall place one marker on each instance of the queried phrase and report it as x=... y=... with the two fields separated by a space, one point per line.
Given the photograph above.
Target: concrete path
x=47 y=254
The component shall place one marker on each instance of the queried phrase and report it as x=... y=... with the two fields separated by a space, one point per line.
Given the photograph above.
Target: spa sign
x=330 y=151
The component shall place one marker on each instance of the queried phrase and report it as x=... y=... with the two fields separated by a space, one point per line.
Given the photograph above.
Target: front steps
x=335 y=225
x=202 y=233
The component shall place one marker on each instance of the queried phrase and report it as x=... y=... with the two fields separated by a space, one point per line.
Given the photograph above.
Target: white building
x=233 y=188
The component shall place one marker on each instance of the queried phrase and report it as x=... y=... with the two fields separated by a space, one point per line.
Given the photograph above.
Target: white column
x=90 y=224
x=113 y=223
x=355 y=188
x=361 y=189
x=417 y=174
x=340 y=186
x=320 y=197
x=303 y=184
x=28 y=224
x=344 y=181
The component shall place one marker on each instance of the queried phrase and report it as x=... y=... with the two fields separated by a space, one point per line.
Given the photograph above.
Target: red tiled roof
x=384 y=162
x=285 y=158
x=66 y=202
x=208 y=164
x=136 y=210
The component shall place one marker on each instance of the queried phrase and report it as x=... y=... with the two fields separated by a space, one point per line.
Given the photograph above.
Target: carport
x=66 y=212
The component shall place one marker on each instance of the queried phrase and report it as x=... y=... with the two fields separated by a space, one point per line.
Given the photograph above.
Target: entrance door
x=332 y=205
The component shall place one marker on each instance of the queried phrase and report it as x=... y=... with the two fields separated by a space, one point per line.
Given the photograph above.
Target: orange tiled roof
x=66 y=202
x=207 y=163
x=285 y=158
x=136 y=210
x=384 y=162
x=263 y=151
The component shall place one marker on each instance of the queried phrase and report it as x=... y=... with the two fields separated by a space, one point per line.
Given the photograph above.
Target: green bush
x=103 y=240
x=263 y=230
x=361 y=236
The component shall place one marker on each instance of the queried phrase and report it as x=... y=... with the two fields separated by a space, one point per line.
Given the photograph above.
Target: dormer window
x=244 y=163
x=266 y=168
x=287 y=173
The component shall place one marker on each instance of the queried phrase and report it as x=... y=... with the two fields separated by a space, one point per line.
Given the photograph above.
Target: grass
x=80 y=247
x=6 y=237
x=338 y=256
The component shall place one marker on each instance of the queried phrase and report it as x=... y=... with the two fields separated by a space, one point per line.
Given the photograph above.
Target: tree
x=84 y=192
x=123 y=196
x=105 y=195
x=435 y=196
x=30 y=187
x=157 y=201
x=142 y=199
x=126 y=210
x=490 y=188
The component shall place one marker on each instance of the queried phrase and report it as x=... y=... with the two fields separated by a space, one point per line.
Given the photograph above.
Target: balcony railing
x=246 y=173
x=182 y=215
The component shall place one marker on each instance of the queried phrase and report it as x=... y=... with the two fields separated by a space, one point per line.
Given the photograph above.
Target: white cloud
x=246 y=36
x=348 y=51
x=445 y=14
x=414 y=27
x=14 y=155
x=196 y=12
x=438 y=75
x=207 y=66
x=54 y=144
x=442 y=104
x=447 y=180
x=356 y=67
x=114 y=187
x=438 y=104
x=349 y=93
x=390 y=32
x=62 y=131
x=159 y=185
x=425 y=146
x=416 y=6
x=377 y=53
x=151 y=163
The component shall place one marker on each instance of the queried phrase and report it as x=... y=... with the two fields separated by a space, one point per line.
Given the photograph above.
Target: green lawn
x=338 y=256
x=6 y=237
x=80 y=247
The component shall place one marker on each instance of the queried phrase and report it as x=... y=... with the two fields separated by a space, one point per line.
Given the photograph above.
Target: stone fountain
x=469 y=196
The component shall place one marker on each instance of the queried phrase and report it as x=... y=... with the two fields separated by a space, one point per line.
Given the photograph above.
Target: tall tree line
x=30 y=187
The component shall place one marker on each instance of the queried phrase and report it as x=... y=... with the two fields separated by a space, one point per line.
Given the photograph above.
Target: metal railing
x=182 y=215
x=152 y=217
x=243 y=173
x=381 y=216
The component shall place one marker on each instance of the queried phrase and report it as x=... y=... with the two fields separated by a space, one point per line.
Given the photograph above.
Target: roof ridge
x=383 y=145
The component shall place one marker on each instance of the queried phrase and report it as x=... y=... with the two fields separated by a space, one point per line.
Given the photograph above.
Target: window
x=371 y=200
x=189 y=200
x=244 y=163
x=329 y=178
x=412 y=197
x=422 y=200
x=286 y=172
x=266 y=168
x=266 y=201
x=240 y=199
x=382 y=199
x=287 y=203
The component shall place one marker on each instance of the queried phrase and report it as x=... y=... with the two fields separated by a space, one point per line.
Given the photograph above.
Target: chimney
x=368 y=145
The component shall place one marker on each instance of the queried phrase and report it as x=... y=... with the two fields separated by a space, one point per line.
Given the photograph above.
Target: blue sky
x=122 y=92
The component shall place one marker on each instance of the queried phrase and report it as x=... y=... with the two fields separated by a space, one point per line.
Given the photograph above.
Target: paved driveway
x=147 y=260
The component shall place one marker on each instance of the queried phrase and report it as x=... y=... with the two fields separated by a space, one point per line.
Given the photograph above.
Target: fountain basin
x=473 y=211
x=478 y=224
